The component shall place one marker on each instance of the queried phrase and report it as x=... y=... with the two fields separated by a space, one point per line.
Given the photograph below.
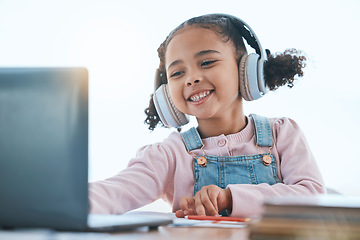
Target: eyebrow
x=199 y=54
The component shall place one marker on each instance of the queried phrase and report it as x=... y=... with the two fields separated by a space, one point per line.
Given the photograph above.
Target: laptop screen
x=44 y=147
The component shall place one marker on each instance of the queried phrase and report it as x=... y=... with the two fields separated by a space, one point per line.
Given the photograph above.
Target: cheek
x=233 y=75
x=228 y=80
x=176 y=95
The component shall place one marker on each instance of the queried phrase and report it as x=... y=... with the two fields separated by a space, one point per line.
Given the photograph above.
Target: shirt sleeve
x=141 y=183
x=297 y=168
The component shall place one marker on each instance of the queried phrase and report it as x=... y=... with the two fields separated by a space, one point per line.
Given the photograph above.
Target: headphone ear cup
x=169 y=115
x=248 y=77
x=244 y=79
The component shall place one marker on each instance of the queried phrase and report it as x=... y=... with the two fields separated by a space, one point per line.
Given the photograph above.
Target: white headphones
x=251 y=77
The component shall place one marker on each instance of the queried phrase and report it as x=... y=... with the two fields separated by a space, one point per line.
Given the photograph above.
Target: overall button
x=221 y=143
x=202 y=161
x=267 y=160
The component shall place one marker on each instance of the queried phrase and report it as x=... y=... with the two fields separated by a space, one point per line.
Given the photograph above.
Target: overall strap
x=263 y=133
x=192 y=139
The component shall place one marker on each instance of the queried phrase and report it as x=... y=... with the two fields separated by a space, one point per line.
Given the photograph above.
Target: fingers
x=210 y=200
x=182 y=213
x=213 y=196
x=186 y=203
x=206 y=201
x=187 y=207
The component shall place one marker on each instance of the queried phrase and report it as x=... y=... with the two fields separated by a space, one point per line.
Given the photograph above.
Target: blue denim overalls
x=242 y=169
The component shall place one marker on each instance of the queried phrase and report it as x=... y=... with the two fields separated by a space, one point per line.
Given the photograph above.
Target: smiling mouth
x=201 y=95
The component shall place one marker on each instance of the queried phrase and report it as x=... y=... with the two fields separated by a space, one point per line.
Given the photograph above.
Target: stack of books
x=311 y=217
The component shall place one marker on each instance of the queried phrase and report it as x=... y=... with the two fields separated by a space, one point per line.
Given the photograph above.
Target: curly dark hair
x=279 y=69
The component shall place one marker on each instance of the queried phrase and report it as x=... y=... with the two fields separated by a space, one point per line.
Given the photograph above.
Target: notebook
x=44 y=153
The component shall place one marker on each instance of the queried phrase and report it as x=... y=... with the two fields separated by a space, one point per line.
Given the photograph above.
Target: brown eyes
x=204 y=64
x=208 y=63
x=176 y=74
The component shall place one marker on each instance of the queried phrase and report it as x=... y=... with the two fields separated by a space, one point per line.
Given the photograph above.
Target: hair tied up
x=283 y=68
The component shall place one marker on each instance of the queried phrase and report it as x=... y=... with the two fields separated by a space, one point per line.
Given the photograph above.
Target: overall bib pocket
x=246 y=169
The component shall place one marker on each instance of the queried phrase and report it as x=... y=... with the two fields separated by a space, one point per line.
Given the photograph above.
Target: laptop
x=44 y=154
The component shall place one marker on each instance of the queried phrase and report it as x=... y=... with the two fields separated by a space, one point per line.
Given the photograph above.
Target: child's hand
x=210 y=200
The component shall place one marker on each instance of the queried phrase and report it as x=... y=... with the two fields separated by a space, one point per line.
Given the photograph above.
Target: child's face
x=202 y=74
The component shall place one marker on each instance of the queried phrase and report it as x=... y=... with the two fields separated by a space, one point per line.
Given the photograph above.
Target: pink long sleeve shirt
x=165 y=170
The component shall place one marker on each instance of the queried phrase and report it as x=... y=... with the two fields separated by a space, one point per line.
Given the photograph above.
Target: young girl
x=230 y=163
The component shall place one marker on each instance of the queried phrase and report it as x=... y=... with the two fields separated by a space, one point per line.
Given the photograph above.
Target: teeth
x=199 y=96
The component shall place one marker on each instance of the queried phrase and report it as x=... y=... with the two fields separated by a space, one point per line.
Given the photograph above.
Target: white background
x=117 y=42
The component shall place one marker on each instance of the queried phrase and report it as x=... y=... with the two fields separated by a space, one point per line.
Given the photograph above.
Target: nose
x=193 y=78
x=192 y=82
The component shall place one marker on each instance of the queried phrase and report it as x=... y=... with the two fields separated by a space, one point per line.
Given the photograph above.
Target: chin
x=203 y=116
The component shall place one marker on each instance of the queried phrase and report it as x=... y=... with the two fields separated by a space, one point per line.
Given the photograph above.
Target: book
x=309 y=217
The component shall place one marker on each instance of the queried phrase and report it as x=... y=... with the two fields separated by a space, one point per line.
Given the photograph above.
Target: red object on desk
x=214 y=218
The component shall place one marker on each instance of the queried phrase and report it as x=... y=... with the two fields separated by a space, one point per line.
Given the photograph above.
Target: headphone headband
x=246 y=32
